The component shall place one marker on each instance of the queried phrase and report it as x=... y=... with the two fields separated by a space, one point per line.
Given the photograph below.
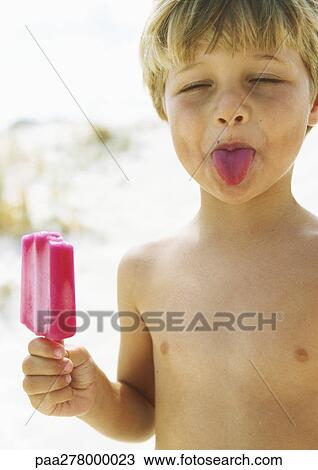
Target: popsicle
x=47 y=285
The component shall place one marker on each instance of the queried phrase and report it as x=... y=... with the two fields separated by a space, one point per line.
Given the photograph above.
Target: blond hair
x=175 y=28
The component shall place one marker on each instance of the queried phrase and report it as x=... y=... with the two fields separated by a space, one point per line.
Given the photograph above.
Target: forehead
x=284 y=56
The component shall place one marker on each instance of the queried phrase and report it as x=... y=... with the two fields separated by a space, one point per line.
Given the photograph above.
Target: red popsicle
x=47 y=285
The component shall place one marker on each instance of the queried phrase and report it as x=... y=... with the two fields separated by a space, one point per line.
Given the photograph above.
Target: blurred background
x=57 y=175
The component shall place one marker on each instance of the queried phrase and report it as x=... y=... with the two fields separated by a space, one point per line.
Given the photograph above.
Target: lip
x=232 y=145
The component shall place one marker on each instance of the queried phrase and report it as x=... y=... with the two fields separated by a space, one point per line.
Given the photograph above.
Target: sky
x=93 y=45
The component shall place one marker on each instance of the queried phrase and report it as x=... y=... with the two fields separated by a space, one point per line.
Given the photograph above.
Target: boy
x=243 y=377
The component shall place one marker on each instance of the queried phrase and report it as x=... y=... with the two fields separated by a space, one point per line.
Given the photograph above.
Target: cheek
x=286 y=117
x=187 y=126
x=287 y=108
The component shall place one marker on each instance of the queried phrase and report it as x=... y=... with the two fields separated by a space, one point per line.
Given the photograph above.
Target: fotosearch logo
x=158 y=320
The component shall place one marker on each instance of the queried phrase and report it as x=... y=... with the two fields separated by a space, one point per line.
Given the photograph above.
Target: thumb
x=77 y=354
x=84 y=373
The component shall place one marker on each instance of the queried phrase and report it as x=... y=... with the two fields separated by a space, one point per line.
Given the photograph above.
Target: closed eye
x=271 y=80
x=192 y=87
x=200 y=85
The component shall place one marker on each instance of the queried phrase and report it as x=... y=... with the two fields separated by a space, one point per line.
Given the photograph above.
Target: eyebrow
x=256 y=56
x=266 y=56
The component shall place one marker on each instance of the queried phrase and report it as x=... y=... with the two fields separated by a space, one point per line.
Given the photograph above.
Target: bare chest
x=235 y=353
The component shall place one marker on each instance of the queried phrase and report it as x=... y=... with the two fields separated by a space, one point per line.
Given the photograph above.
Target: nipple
x=164 y=347
x=301 y=354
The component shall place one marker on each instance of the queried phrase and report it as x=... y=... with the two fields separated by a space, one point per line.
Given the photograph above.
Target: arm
x=124 y=410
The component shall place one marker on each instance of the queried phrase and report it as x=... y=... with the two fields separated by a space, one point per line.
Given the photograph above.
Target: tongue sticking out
x=233 y=166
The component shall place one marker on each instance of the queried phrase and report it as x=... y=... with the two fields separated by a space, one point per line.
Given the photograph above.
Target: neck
x=274 y=212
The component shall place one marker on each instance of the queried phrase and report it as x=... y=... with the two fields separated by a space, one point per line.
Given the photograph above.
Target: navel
x=301 y=354
x=164 y=347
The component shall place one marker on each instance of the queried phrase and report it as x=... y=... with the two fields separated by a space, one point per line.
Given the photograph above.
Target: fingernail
x=58 y=353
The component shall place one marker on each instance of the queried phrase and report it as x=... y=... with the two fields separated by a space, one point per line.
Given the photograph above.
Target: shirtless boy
x=251 y=248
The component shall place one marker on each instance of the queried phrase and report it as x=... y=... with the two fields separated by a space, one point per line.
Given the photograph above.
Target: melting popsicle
x=47 y=285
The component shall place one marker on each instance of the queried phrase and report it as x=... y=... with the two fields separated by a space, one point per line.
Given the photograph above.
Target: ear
x=313 y=116
x=163 y=101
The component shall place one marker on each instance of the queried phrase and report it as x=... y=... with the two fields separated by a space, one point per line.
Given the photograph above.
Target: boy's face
x=272 y=118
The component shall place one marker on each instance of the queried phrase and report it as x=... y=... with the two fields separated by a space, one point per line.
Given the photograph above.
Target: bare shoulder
x=303 y=257
x=309 y=237
x=141 y=265
x=140 y=254
x=143 y=257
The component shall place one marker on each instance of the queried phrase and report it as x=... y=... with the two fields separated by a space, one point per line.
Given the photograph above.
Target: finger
x=33 y=365
x=44 y=402
x=61 y=342
x=44 y=347
x=35 y=384
x=65 y=352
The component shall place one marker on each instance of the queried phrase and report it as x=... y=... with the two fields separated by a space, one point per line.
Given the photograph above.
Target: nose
x=231 y=114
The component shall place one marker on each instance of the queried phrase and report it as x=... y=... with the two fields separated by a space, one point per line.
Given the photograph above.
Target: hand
x=53 y=389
